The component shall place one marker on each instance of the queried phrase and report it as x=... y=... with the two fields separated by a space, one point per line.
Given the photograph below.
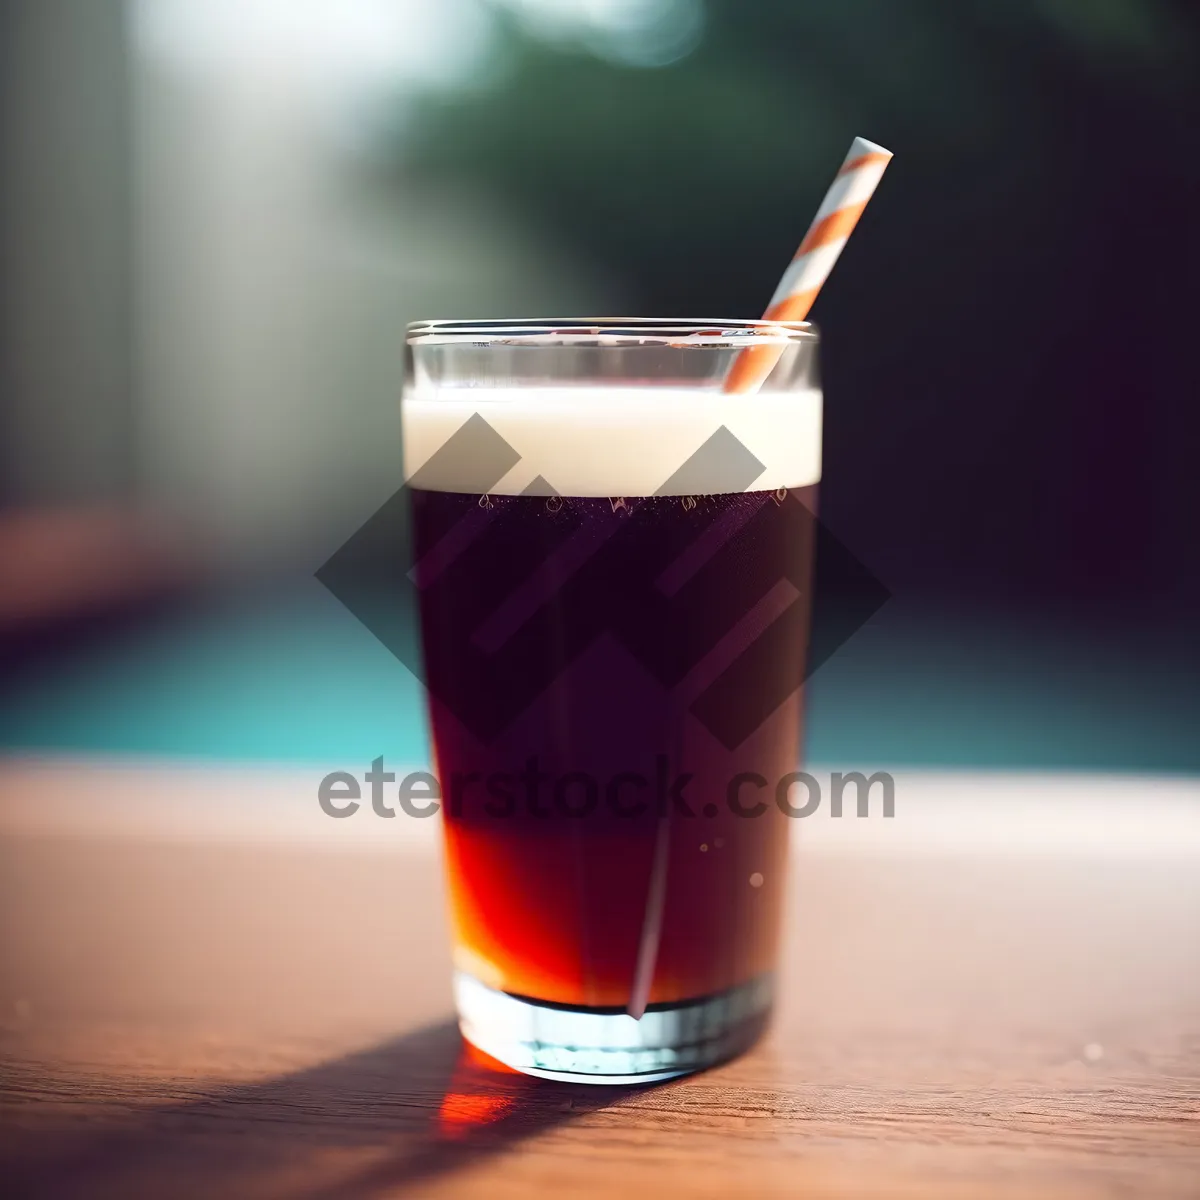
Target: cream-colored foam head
x=584 y=440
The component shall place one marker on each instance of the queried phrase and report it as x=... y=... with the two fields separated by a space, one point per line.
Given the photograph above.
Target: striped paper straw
x=823 y=243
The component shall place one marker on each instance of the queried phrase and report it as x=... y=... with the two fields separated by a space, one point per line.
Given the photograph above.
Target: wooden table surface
x=989 y=1005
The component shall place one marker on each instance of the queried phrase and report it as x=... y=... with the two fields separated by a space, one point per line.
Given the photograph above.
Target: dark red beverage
x=605 y=678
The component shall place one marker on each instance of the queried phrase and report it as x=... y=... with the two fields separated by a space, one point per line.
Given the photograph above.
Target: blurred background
x=216 y=217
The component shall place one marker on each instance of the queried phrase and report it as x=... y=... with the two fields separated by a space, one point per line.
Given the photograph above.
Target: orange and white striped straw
x=854 y=185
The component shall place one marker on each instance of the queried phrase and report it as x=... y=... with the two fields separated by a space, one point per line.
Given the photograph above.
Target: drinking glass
x=613 y=560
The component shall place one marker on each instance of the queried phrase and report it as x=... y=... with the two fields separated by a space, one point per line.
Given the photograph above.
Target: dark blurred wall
x=65 y=268
x=1011 y=383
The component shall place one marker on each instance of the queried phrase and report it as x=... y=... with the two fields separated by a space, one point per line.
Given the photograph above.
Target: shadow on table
x=372 y=1122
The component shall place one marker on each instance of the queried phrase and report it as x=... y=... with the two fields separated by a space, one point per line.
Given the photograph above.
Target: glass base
x=597 y=1045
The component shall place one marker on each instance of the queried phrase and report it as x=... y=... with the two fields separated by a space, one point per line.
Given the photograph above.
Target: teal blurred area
x=285 y=677
x=290 y=676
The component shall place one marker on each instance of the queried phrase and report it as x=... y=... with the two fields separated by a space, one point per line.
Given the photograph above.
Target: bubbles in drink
x=756 y=880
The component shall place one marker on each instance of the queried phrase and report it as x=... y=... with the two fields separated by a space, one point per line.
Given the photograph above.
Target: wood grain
x=224 y=1019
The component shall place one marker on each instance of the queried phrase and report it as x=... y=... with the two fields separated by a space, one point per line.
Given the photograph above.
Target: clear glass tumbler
x=613 y=558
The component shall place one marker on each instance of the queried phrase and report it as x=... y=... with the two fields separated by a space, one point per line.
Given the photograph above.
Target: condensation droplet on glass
x=756 y=880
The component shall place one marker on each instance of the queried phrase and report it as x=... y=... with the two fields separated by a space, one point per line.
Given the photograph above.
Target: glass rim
x=628 y=331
